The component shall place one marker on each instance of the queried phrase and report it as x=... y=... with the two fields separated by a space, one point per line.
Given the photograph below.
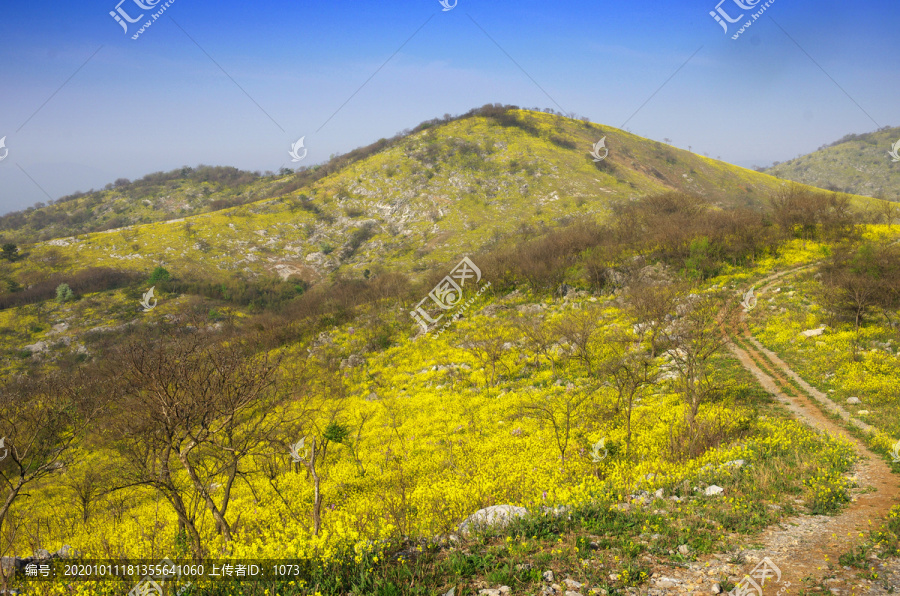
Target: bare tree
x=697 y=339
x=540 y=338
x=488 y=344
x=889 y=212
x=857 y=282
x=41 y=422
x=651 y=304
x=194 y=409
x=563 y=410
x=581 y=327
x=631 y=369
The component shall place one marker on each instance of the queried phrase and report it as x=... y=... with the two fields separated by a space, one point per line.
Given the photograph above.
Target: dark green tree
x=10 y=251
x=160 y=274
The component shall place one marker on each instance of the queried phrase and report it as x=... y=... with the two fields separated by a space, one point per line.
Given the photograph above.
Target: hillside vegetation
x=856 y=163
x=275 y=399
x=408 y=204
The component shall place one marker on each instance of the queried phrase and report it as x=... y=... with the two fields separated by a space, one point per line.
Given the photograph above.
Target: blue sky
x=236 y=83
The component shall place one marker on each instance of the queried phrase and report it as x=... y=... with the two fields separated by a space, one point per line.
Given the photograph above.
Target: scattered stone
x=853 y=400
x=353 y=361
x=39 y=347
x=451 y=592
x=717 y=589
x=684 y=549
x=571 y=583
x=814 y=332
x=863 y=413
x=495 y=515
x=572 y=593
x=548 y=576
x=614 y=577
x=713 y=490
x=736 y=463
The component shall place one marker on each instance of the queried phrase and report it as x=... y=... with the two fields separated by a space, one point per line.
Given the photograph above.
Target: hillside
x=449 y=188
x=652 y=374
x=857 y=163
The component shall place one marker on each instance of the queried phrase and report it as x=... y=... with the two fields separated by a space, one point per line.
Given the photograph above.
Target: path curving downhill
x=805 y=545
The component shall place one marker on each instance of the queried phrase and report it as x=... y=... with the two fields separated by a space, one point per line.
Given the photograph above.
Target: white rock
x=571 y=583
x=40 y=346
x=495 y=515
x=713 y=490
x=814 y=332
x=853 y=400
x=548 y=576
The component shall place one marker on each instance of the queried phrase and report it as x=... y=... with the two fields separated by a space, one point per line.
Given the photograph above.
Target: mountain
x=857 y=163
x=449 y=187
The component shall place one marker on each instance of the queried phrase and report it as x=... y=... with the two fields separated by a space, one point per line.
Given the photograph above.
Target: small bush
x=160 y=274
x=64 y=293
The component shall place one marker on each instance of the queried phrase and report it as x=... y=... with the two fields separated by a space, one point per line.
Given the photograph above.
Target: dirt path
x=802 y=547
x=805 y=549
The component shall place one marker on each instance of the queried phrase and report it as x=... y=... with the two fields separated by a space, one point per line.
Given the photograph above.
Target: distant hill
x=857 y=164
x=449 y=187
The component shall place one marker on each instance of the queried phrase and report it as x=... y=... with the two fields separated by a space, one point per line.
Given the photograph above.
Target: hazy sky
x=236 y=83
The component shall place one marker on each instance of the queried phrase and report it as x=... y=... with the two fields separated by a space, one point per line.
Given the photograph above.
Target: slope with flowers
x=433 y=433
x=587 y=383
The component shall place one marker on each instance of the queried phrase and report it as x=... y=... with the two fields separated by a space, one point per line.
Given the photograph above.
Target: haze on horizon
x=235 y=84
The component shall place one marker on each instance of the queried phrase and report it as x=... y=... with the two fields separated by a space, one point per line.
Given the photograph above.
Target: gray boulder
x=493 y=516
